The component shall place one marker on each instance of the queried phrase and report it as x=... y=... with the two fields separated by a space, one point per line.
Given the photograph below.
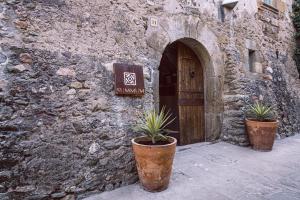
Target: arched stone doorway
x=181 y=90
x=189 y=88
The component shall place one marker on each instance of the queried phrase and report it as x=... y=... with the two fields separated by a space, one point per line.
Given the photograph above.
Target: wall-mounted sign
x=129 y=79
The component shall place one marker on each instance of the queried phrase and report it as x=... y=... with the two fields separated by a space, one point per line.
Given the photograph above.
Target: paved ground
x=226 y=172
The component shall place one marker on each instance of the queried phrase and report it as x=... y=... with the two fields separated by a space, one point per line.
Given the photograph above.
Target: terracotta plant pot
x=154 y=163
x=261 y=134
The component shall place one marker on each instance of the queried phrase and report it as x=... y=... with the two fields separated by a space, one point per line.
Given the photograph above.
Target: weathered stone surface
x=2 y=189
x=3 y=84
x=62 y=129
x=94 y=148
x=76 y=85
x=69 y=197
x=99 y=104
x=5 y=176
x=65 y=72
x=4 y=196
x=71 y=92
x=25 y=58
x=268 y=77
x=58 y=195
x=21 y=24
x=3 y=58
x=18 y=68
x=25 y=189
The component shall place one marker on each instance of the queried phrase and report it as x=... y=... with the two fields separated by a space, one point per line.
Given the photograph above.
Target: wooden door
x=190 y=96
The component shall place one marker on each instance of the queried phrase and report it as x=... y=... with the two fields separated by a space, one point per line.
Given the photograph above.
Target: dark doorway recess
x=181 y=90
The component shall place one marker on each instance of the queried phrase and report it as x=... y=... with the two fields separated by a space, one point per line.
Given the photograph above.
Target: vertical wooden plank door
x=190 y=93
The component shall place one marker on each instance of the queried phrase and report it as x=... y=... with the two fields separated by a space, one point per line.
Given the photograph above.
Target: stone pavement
x=223 y=171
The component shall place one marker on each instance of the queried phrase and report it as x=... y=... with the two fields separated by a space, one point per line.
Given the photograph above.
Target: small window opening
x=254 y=65
x=252 y=61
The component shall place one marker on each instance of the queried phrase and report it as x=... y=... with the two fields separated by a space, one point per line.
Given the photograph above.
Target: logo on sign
x=129 y=78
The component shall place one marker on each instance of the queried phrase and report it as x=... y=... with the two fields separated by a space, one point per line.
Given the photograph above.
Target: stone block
x=157 y=41
x=3 y=58
x=18 y=68
x=268 y=77
x=4 y=196
x=66 y=72
x=94 y=148
x=21 y=24
x=3 y=84
x=76 y=85
x=275 y=22
x=109 y=187
x=281 y=6
x=270 y=70
x=257 y=68
x=71 y=92
x=5 y=176
x=69 y=197
x=38 y=197
x=83 y=93
x=99 y=104
x=25 y=58
x=58 y=195
x=251 y=44
x=25 y=189
x=6 y=113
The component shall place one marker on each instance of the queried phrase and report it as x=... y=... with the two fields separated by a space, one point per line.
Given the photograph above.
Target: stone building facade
x=63 y=131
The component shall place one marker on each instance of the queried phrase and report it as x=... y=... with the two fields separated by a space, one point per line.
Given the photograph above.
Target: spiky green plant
x=153 y=124
x=260 y=112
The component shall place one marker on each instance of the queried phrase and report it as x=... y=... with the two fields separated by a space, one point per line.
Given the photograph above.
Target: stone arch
x=213 y=84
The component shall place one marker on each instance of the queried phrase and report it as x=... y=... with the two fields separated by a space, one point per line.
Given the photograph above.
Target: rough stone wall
x=63 y=132
x=271 y=36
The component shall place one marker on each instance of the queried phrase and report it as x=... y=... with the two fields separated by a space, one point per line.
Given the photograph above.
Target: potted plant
x=154 y=152
x=261 y=126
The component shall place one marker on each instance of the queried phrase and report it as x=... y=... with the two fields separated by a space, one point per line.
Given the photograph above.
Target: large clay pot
x=154 y=163
x=261 y=134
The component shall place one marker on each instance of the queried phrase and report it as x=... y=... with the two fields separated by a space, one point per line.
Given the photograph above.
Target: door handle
x=192 y=74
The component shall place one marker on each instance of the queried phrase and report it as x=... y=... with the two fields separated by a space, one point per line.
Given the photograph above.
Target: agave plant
x=153 y=124
x=261 y=112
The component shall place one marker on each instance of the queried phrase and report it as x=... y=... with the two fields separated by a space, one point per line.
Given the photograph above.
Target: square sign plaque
x=129 y=79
